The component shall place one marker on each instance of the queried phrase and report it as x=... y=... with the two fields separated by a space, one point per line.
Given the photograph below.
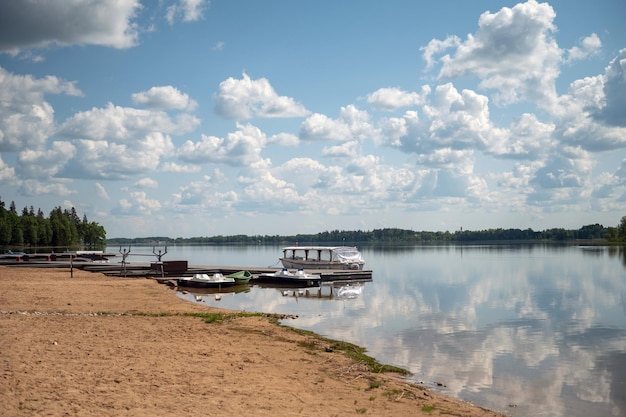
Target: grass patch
x=361 y=410
x=375 y=384
x=428 y=409
x=213 y=317
x=357 y=353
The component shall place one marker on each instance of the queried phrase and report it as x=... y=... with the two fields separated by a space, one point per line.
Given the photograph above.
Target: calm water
x=524 y=330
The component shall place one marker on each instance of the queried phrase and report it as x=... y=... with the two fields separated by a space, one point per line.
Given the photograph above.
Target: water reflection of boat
x=327 y=290
x=351 y=290
x=204 y=291
x=205 y=280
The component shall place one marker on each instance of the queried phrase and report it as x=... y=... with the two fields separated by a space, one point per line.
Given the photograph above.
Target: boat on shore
x=206 y=280
x=322 y=257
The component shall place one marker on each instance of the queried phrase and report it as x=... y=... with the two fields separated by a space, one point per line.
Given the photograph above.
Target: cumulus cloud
x=246 y=99
x=241 y=147
x=589 y=46
x=352 y=123
x=138 y=204
x=39 y=23
x=44 y=164
x=119 y=124
x=513 y=52
x=164 y=98
x=26 y=119
x=147 y=183
x=186 y=10
x=452 y=119
x=394 y=98
x=37 y=188
x=7 y=173
x=613 y=112
x=101 y=159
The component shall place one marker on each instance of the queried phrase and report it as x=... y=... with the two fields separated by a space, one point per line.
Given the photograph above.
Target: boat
x=205 y=280
x=322 y=257
x=285 y=276
x=241 y=277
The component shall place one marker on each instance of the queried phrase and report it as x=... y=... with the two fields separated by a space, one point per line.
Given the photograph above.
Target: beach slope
x=91 y=345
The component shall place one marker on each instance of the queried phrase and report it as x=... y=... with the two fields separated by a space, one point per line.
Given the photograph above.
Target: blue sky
x=190 y=118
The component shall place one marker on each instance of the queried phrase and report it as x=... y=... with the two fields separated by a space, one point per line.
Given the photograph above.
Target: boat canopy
x=343 y=254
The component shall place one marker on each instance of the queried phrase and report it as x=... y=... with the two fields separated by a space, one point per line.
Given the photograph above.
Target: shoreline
x=104 y=346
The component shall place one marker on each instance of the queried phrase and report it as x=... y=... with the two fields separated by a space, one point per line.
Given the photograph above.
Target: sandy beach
x=91 y=345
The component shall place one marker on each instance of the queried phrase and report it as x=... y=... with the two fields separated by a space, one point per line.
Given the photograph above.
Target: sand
x=93 y=345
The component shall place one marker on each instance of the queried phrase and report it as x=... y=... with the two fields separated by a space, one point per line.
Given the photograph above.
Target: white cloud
x=38 y=188
x=284 y=139
x=138 y=204
x=394 y=98
x=99 y=159
x=147 y=183
x=589 y=46
x=178 y=168
x=122 y=124
x=348 y=149
x=7 y=173
x=187 y=10
x=513 y=52
x=26 y=119
x=39 y=23
x=102 y=192
x=164 y=98
x=436 y=46
x=526 y=138
x=246 y=99
x=43 y=164
x=613 y=111
x=352 y=123
x=241 y=147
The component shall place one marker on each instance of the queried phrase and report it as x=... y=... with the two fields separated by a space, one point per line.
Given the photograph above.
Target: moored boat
x=299 y=277
x=241 y=277
x=322 y=257
x=205 y=280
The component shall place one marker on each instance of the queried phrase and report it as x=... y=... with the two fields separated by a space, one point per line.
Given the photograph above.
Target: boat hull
x=204 y=284
x=300 y=279
x=204 y=281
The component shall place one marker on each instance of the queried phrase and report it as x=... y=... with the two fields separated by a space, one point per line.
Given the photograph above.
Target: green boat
x=241 y=277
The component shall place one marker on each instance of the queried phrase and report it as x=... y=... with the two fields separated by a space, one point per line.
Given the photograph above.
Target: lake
x=526 y=330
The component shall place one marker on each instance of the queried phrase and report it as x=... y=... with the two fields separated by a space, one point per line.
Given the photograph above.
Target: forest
x=62 y=228
x=589 y=233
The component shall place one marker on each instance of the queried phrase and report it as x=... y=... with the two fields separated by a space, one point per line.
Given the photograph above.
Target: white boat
x=322 y=257
x=286 y=276
x=205 y=280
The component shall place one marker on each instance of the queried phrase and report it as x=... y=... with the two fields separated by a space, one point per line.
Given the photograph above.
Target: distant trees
x=402 y=236
x=61 y=228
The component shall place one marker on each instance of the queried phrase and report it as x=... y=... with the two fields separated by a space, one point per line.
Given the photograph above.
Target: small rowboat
x=241 y=277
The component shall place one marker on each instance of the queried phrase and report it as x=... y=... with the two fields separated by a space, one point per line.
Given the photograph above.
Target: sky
x=187 y=118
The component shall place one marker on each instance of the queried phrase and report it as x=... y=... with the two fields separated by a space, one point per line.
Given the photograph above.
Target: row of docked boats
x=295 y=258
x=203 y=280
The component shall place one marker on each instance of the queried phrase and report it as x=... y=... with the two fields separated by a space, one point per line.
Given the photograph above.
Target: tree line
x=62 y=228
x=592 y=232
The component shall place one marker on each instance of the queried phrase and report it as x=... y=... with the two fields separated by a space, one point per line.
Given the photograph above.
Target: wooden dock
x=171 y=271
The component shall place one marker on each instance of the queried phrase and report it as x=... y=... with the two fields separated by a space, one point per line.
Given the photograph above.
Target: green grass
x=357 y=353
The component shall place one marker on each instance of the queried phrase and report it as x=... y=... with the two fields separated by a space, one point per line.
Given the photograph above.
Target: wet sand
x=93 y=345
